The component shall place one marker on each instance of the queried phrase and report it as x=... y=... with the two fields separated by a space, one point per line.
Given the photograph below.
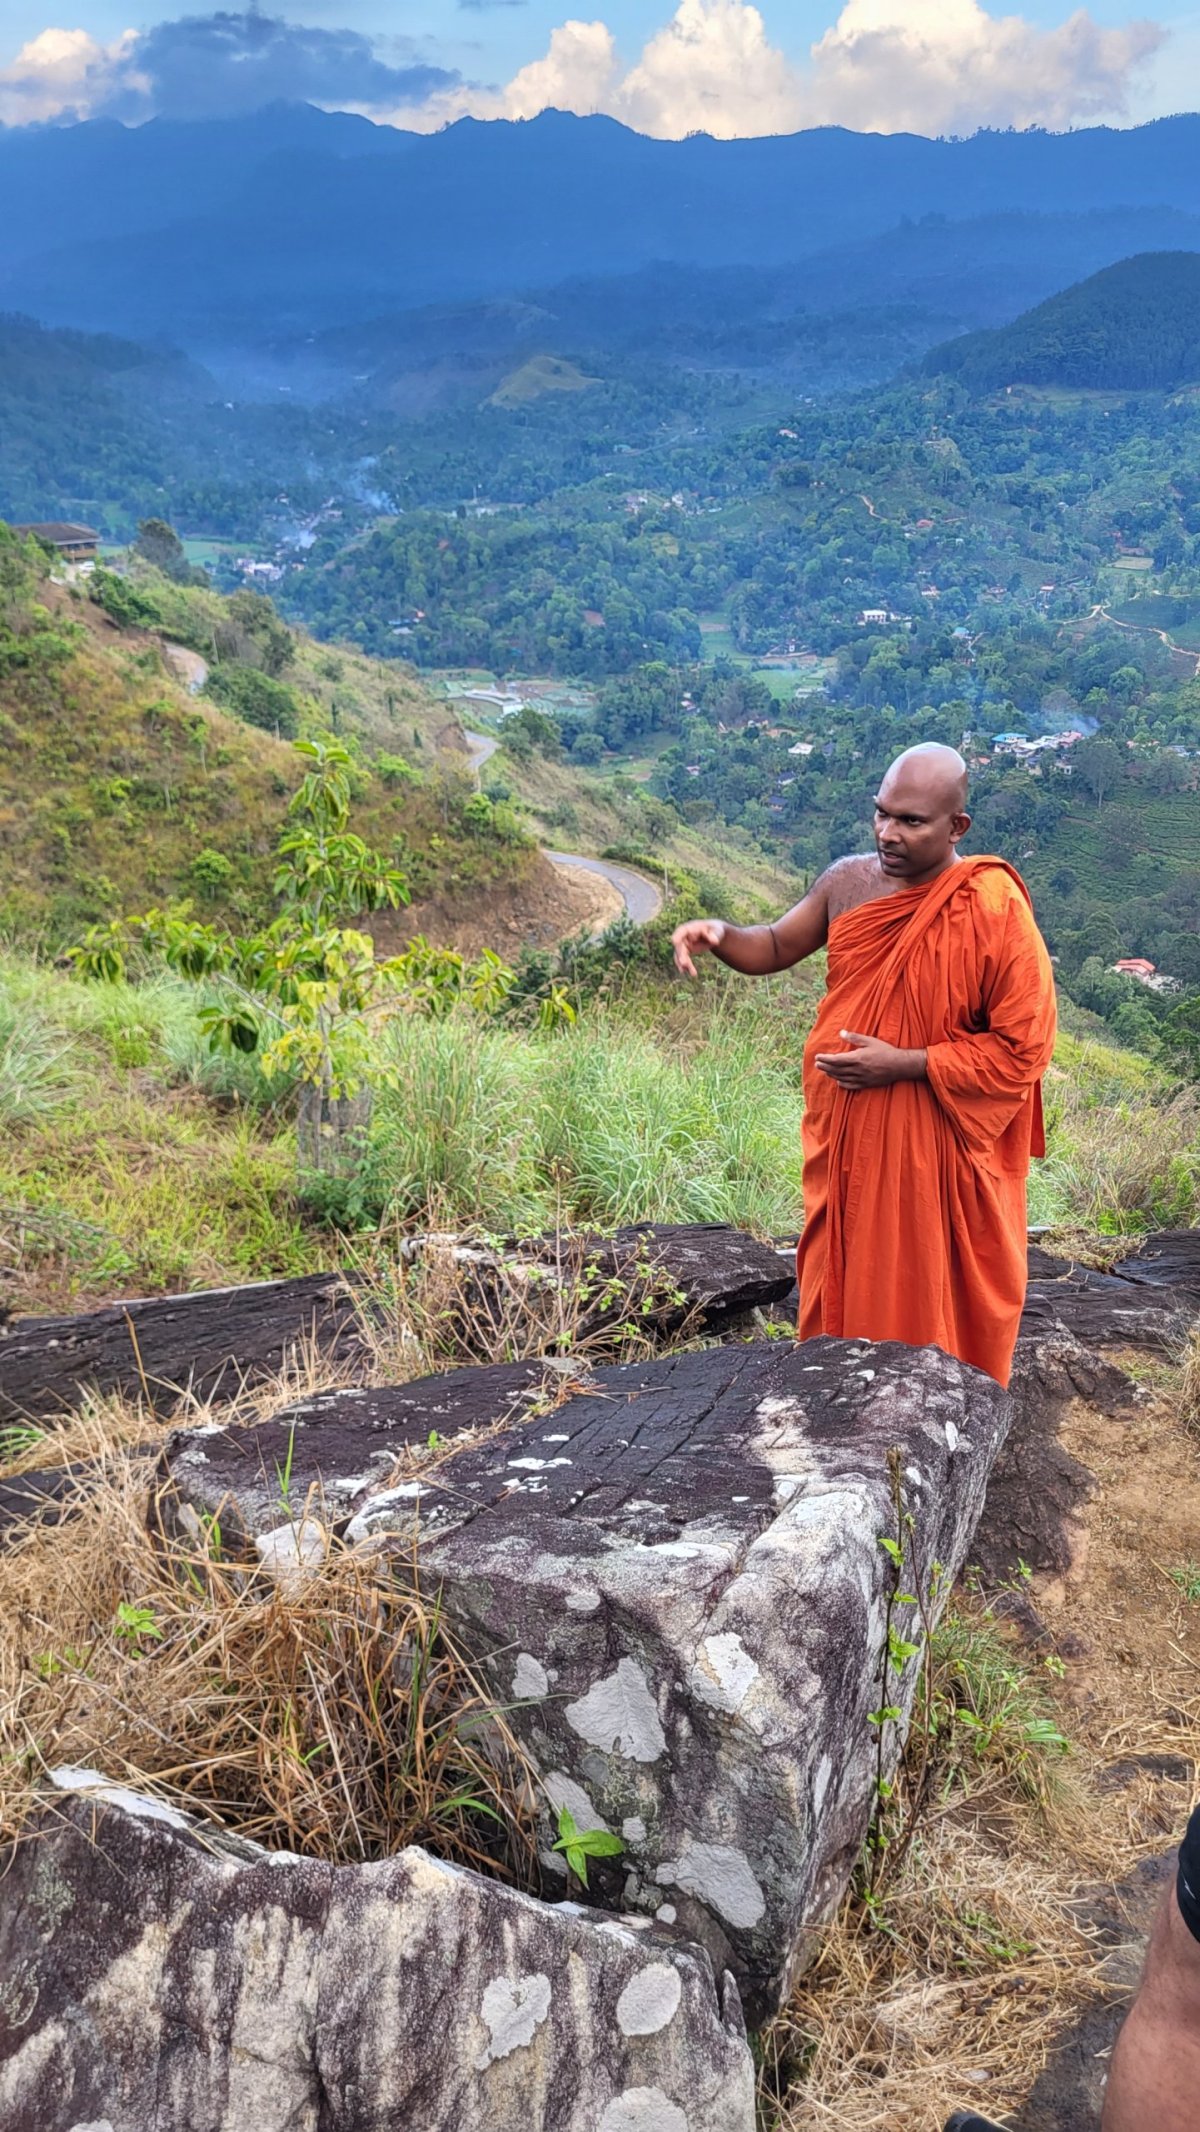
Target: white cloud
x=580 y=72
x=712 y=70
x=201 y=66
x=65 y=74
x=947 y=66
x=885 y=66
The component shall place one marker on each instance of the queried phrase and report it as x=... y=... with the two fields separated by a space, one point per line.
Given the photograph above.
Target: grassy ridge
x=132 y=1159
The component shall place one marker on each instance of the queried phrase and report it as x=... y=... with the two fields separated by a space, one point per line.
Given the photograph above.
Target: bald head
x=921 y=812
x=938 y=771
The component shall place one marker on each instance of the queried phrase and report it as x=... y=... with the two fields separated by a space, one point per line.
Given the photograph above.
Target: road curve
x=480 y=748
x=642 y=898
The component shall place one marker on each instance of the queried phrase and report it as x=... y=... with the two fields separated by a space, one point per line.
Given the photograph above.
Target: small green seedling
x=1188 y=1581
x=578 y=1845
x=133 y=1623
x=49 y=1664
x=283 y=1474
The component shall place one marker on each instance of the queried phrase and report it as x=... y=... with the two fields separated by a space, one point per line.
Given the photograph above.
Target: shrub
x=257 y=698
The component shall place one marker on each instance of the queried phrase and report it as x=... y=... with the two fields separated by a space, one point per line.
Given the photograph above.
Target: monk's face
x=918 y=822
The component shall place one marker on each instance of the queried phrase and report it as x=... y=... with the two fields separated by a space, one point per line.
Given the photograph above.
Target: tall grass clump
x=456 y=1126
x=601 y=1124
x=1123 y=1144
x=640 y=1131
x=37 y=1067
x=328 y=1712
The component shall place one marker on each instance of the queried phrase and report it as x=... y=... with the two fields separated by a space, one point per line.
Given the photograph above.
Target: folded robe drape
x=914 y=1194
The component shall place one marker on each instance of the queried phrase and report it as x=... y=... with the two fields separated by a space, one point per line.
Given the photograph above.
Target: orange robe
x=914 y=1194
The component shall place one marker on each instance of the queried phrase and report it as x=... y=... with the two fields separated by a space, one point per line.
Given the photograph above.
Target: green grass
x=133 y=1159
x=1123 y=1143
x=599 y=1125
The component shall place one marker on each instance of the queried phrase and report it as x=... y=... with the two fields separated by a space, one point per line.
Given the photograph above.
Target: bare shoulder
x=850 y=881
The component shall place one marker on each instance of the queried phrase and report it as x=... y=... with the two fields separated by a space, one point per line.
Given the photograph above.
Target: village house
x=76 y=544
x=1146 y=973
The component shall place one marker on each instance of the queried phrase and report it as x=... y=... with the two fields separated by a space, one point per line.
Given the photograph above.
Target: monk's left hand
x=870 y=1063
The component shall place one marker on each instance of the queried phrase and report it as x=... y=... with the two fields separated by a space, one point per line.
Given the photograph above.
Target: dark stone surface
x=671 y=1573
x=45 y=1497
x=158 y=1975
x=213 y=1342
x=1146 y=1300
x=157 y=1347
x=335 y=1446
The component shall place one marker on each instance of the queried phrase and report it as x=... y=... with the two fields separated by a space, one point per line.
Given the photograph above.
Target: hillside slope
x=1133 y=327
x=119 y=789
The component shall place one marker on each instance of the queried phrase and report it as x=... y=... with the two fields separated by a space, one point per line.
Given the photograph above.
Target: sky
x=665 y=67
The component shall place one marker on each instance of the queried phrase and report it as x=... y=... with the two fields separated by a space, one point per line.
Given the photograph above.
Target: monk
x=922 y=1076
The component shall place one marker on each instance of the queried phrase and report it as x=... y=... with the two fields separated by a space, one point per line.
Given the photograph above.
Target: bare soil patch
x=545 y=906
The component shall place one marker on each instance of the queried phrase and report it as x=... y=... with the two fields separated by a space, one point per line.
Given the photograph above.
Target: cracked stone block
x=211 y=1343
x=216 y=1341
x=672 y=1575
x=160 y=1975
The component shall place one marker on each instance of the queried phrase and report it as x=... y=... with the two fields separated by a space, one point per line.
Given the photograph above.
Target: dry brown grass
x=1188 y=1394
x=946 y=1986
x=444 y=1299
x=948 y=1994
x=329 y=1713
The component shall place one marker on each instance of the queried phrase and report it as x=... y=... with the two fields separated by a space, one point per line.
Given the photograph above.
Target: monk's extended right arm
x=752 y=949
x=759 y=950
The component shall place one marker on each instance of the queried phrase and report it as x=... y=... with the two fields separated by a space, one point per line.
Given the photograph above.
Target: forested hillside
x=1134 y=327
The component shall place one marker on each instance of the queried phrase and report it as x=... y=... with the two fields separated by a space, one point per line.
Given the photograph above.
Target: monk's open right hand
x=699 y=936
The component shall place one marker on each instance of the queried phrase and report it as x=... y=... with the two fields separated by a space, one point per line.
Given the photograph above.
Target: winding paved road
x=643 y=900
x=641 y=896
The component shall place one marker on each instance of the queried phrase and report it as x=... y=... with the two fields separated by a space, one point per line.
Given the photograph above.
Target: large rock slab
x=158 y=1975
x=673 y=1574
x=215 y=1342
x=1147 y=1299
x=156 y=1348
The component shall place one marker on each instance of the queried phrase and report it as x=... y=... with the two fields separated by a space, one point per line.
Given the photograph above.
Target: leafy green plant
x=135 y=1625
x=1187 y=1579
x=578 y=1845
x=302 y=992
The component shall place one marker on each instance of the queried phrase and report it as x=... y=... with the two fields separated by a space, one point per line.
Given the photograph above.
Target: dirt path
x=480 y=748
x=1128 y=1635
x=1146 y=629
